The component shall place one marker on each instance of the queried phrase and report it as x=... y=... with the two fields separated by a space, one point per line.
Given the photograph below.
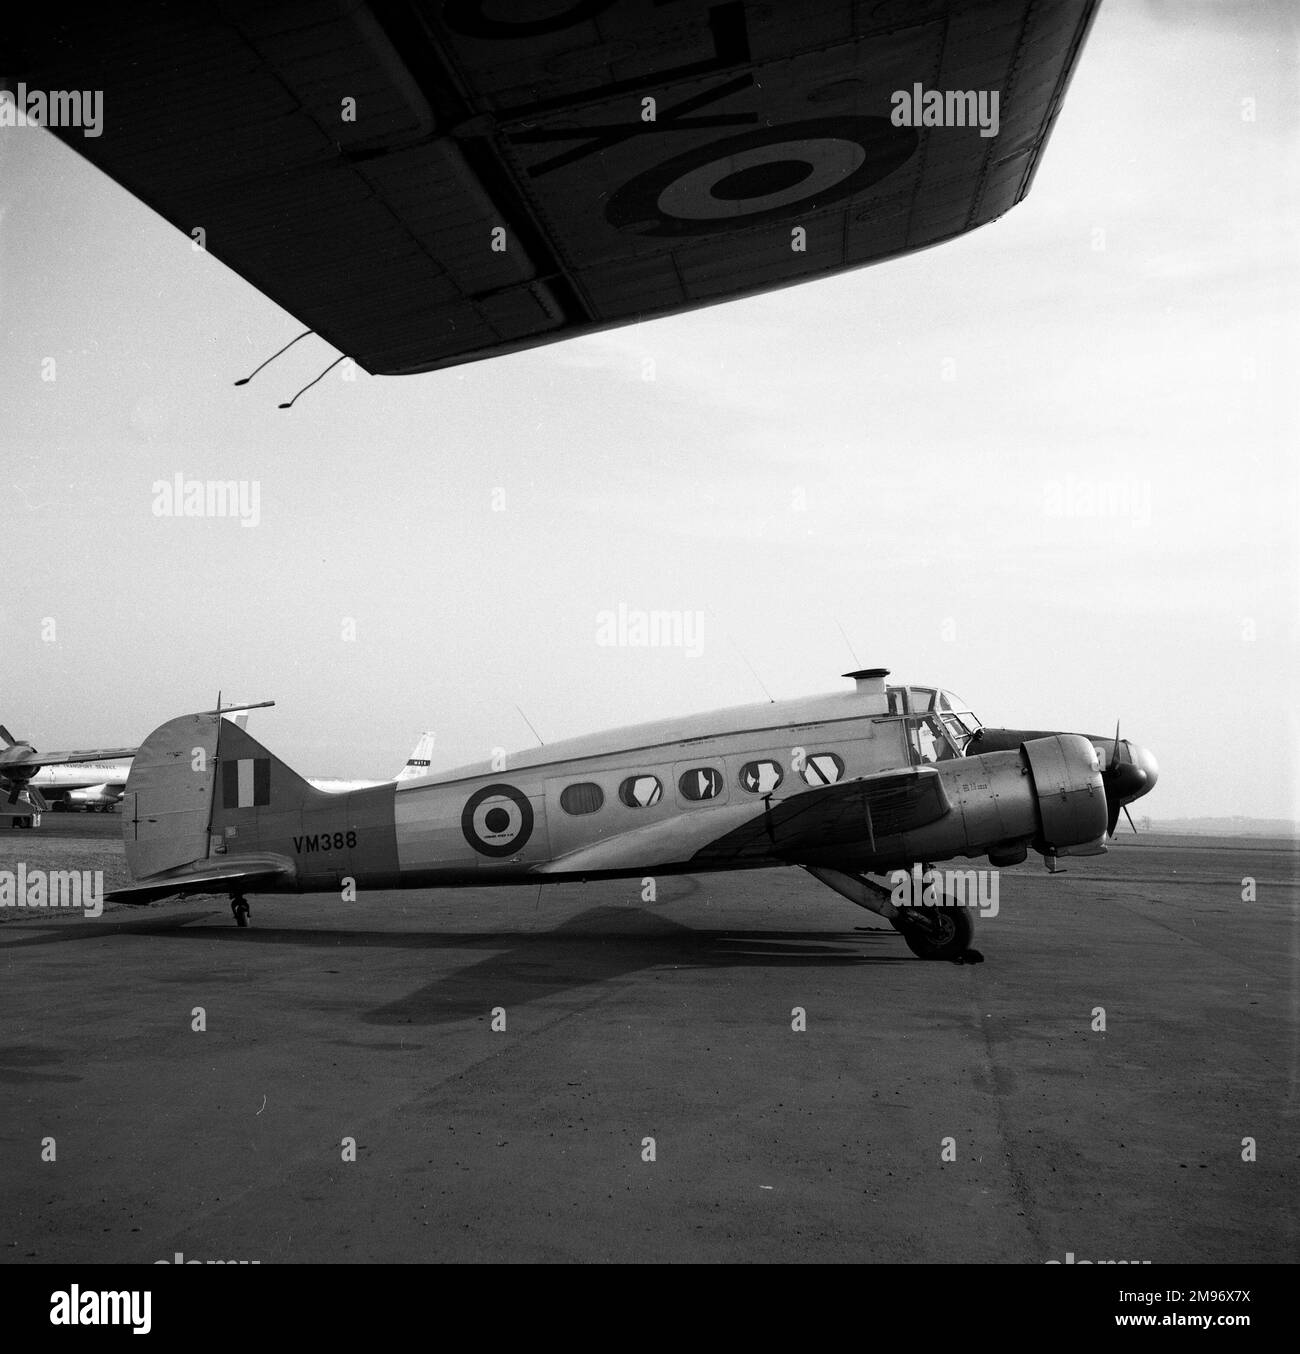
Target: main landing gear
x=239 y=906
x=939 y=930
x=944 y=931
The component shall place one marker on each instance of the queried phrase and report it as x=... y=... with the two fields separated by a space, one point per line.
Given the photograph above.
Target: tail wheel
x=943 y=932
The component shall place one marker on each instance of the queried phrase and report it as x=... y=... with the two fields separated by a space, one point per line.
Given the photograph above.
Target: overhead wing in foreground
x=429 y=184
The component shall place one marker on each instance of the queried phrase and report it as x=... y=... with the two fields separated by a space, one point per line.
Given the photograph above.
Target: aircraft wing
x=425 y=185
x=853 y=811
x=68 y=758
x=666 y=842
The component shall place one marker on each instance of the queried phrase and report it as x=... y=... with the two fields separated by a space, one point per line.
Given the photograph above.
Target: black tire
x=943 y=932
x=240 y=908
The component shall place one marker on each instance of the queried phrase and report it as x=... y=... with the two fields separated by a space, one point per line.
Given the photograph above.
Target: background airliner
x=68 y=785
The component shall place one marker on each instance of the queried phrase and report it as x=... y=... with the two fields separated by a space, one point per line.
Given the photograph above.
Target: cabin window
x=701 y=783
x=640 y=792
x=584 y=798
x=823 y=768
x=761 y=778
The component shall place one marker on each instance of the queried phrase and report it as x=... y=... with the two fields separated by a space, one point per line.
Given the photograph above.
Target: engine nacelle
x=1047 y=794
x=1066 y=776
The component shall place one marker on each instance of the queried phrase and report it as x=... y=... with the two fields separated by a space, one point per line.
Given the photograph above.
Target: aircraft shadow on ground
x=608 y=943
x=66 y=930
x=597 y=946
x=23 y=1064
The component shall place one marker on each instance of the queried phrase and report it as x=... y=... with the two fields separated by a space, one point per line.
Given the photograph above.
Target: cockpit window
x=931 y=741
x=941 y=726
x=959 y=721
x=957 y=730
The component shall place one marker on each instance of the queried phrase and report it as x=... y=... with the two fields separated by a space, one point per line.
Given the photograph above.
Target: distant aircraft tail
x=417 y=764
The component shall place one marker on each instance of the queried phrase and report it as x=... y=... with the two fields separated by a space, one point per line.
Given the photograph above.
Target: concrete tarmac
x=927 y=1112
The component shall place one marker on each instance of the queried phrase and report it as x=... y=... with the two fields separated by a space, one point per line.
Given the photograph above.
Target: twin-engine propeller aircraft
x=27 y=777
x=93 y=786
x=846 y=786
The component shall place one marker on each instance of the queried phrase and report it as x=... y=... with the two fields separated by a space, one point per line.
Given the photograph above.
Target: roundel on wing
x=497 y=820
x=761 y=176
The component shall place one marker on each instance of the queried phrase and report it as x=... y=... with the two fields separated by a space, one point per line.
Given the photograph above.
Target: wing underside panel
x=427 y=186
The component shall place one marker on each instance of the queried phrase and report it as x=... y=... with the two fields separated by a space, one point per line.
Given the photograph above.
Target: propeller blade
x=1129 y=816
x=7 y=736
x=1109 y=779
x=13 y=791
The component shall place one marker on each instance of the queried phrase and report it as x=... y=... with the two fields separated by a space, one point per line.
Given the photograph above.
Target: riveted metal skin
x=329 y=838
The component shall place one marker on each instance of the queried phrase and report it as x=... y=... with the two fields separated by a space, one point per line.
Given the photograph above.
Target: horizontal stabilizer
x=243 y=875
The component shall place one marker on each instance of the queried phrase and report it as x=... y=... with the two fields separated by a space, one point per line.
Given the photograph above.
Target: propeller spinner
x=1128 y=775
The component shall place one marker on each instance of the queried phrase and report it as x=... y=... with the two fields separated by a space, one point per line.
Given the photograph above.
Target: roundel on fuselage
x=497 y=820
x=762 y=175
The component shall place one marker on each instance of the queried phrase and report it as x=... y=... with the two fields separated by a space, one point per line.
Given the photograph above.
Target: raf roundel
x=760 y=176
x=497 y=820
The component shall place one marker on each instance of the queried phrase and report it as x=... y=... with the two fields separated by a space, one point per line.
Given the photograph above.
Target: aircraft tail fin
x=201 y=787
x=417 y=764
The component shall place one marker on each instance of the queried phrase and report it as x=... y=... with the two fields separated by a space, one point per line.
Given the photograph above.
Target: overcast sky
x=1058 y=479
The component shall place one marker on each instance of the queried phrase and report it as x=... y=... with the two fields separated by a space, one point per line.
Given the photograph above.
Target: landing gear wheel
x=240 y=908
x=942 y=932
